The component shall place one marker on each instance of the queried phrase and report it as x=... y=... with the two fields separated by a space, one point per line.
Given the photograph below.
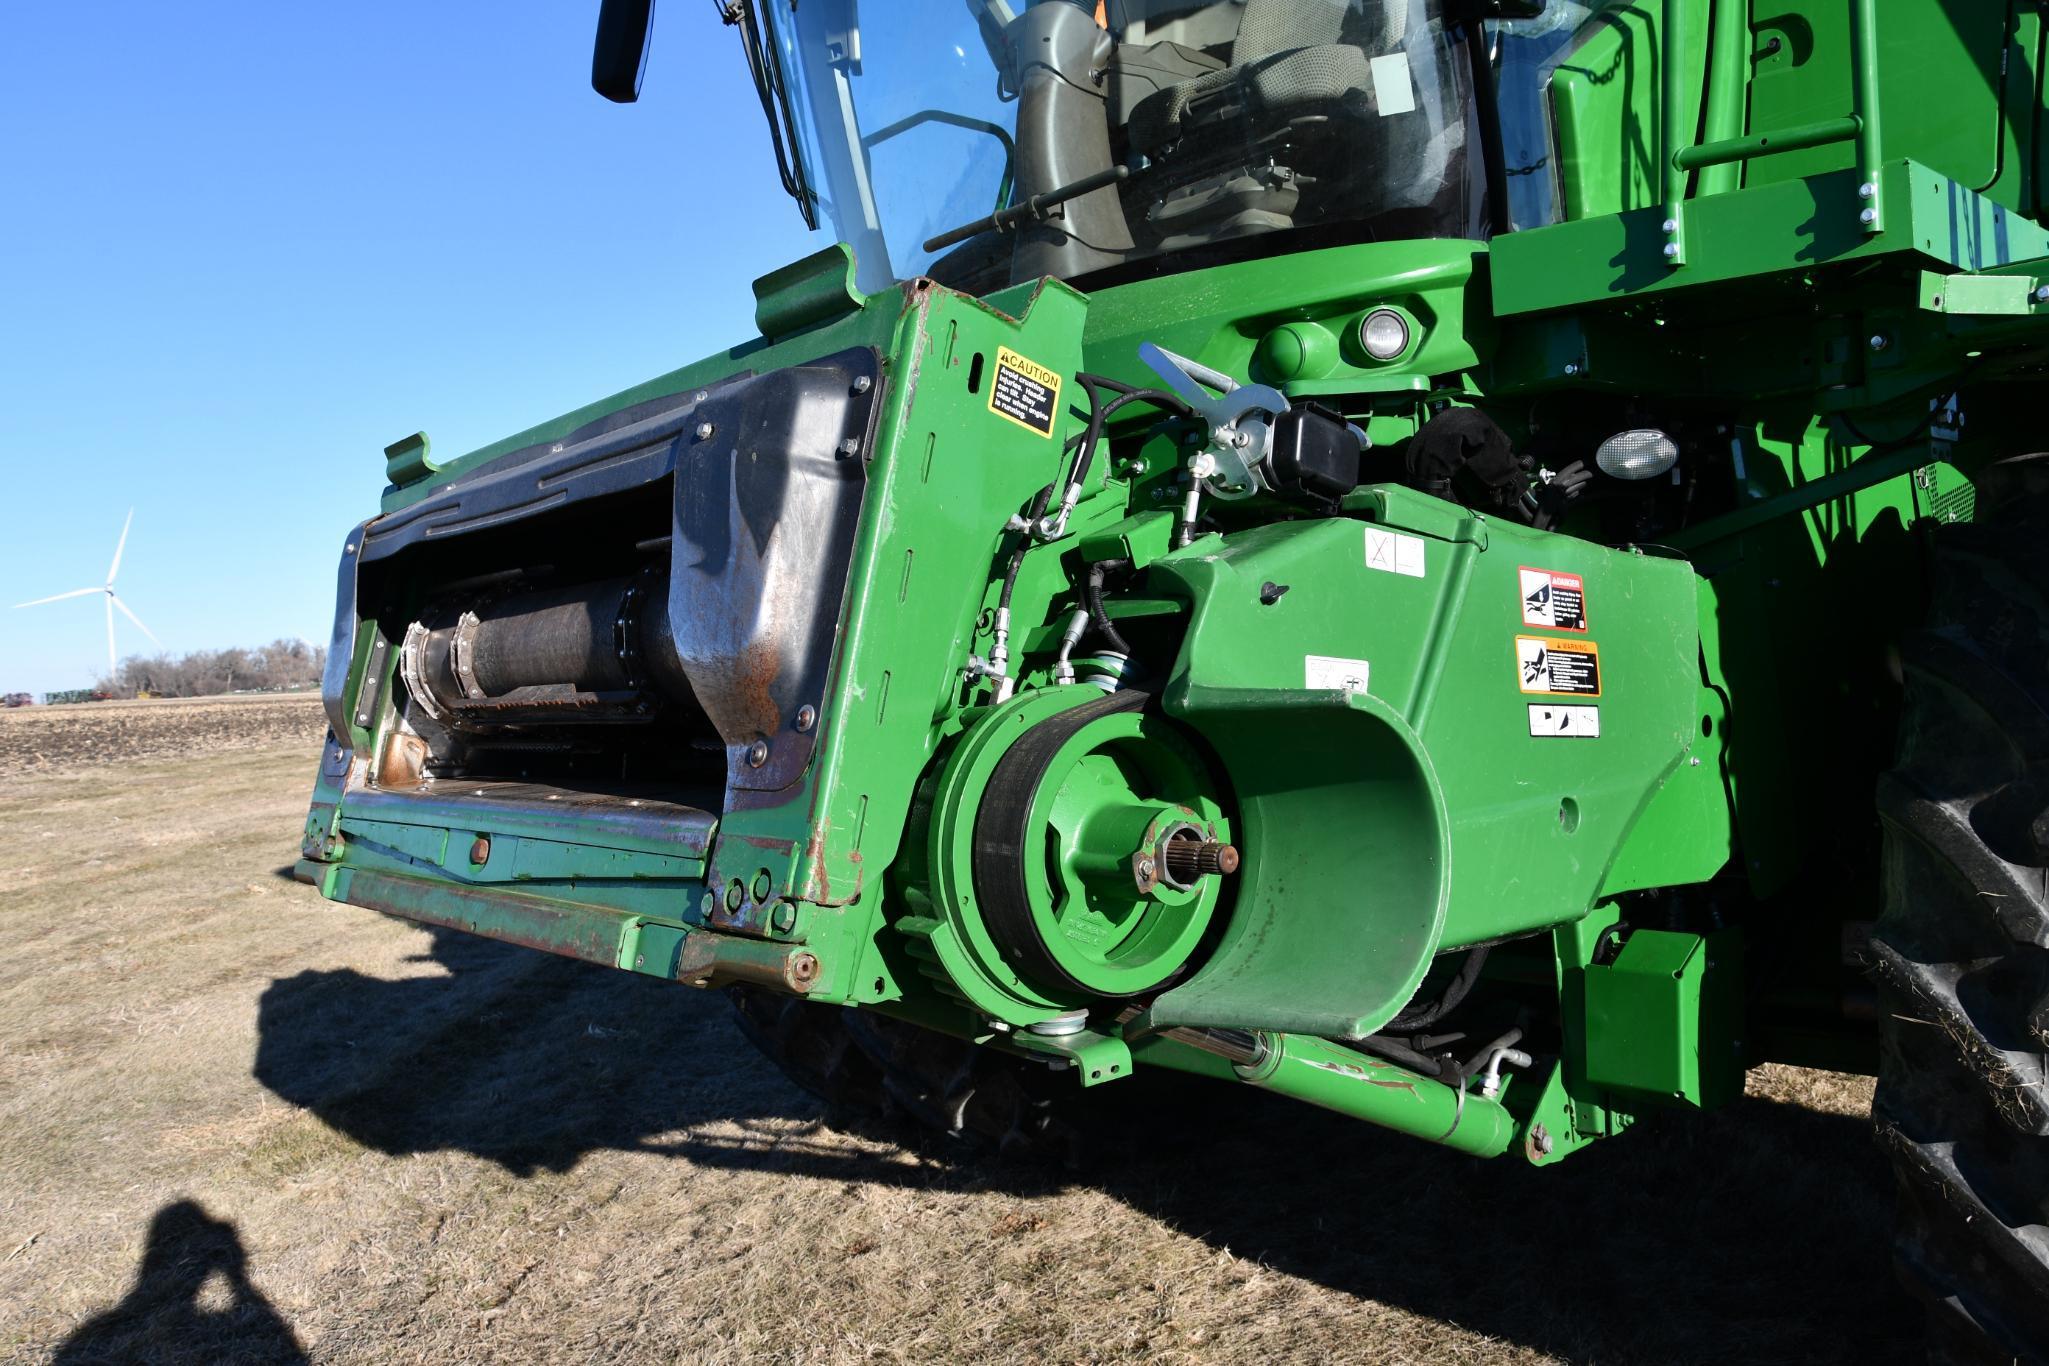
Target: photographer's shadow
x=163 y=1317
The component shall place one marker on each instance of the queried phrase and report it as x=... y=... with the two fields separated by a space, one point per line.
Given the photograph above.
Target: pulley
x=1099 y=852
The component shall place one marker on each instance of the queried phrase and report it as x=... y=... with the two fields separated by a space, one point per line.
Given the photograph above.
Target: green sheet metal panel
x=1659 y=1018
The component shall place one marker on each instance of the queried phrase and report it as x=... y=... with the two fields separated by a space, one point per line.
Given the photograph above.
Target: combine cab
x=1478 y=565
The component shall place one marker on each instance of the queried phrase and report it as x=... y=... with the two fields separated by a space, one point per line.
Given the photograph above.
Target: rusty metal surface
x=585 y=817
x=766 y=508
x=590 y=933
x=715 y=960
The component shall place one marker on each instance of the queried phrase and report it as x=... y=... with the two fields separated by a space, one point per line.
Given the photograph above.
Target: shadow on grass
x=162 y=1317
x=1759 y=1233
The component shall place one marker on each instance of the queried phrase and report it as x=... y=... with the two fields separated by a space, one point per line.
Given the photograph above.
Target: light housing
x=1385 y=333
x=1639 y=453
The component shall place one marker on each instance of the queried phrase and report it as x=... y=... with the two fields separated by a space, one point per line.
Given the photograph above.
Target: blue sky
x=245 y=246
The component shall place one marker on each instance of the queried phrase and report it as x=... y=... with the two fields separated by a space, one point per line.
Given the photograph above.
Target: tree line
x=281 y=666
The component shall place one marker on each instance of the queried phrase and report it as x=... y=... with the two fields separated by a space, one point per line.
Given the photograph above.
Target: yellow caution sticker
x=1024 y=391
x=1558 y=668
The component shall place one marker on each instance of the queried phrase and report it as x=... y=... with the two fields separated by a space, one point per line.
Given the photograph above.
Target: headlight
x=1640 y=453
x=1384 y=333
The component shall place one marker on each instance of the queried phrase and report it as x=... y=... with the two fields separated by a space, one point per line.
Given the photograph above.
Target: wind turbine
x=113 y=601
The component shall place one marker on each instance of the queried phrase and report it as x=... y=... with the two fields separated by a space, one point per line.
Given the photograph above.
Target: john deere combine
x=1481 y=565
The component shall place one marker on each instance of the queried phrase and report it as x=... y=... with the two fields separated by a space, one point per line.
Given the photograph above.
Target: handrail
x=1794 y=139
x=1861 y=124
x=1674 y=62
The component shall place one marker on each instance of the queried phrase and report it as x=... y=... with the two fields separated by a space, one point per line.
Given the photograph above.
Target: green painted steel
x=1622 y=740
x=1353 y=1084
x=1663 y=1019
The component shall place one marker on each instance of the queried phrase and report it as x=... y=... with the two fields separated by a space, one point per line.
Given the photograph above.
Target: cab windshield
x=984 y=142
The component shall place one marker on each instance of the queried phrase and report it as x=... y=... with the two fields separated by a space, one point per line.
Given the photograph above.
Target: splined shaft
x=1189 y=859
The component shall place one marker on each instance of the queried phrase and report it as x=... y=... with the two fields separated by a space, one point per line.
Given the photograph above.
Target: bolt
x=1540 y=1140
x=480 y=852
x=1695 y=761
x=1241 y=439
x=784 y=917
x=1671 y=251
x=1867 y=191
x=2042 y=295
x=757 y=754
x=640 y=960
x=1868 y=216
x=704 y=431
x=1571 y=368
x=1135 y=468
x=735 y=894
x=1879 y=341
x=803 y=970
x=1146 y=868
x=850 y=448
x=862 y=384
x=807 y=717
x=1671 y=225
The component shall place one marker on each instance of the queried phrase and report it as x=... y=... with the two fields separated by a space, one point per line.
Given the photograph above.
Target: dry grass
x=238 y=1123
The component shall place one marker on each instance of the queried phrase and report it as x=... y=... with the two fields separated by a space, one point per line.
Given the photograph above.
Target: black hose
x=1038 y=510
x=1100 y=412
x=1380 y=1046
x=1421 y=1017
x=1092 y=601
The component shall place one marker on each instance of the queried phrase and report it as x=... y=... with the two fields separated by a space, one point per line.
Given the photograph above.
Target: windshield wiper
x=775 y=100
x=1033 y=209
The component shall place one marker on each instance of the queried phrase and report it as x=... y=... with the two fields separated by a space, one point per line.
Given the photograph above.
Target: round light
x=1640 y=453
x=1384 y=333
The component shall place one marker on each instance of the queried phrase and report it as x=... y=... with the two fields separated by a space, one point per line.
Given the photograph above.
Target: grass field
x=238 y=1123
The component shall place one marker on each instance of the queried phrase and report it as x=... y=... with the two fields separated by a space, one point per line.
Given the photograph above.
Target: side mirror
x=620 y=55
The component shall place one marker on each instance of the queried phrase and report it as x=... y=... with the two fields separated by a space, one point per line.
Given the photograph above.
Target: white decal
x=1574 y=723
x=1394 y=553
x=1392 y=92
x=1324 y=673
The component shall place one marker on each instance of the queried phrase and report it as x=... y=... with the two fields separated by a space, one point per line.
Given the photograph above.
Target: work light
x=1639 y=453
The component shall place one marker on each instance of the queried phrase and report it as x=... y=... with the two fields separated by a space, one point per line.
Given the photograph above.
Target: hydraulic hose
x=1100 y=412
x=1092 y=600
x=1422 y=1017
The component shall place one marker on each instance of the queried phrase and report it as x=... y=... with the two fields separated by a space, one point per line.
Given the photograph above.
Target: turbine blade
x=74 y=593
x=132 y=617
x=120 y=546
x=113 y=665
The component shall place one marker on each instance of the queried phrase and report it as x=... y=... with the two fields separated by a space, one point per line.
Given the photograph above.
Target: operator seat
x=1290 y=58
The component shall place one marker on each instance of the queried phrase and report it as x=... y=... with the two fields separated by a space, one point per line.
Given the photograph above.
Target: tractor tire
x=867 y=1066
x=1960 y=951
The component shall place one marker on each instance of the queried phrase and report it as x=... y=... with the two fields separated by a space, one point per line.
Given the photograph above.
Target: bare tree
x=282 y=666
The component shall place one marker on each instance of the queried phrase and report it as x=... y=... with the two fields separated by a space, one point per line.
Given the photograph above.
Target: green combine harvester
x=1479 y=564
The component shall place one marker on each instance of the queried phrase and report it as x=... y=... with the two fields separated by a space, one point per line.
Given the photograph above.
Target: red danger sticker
x=1552 y=600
